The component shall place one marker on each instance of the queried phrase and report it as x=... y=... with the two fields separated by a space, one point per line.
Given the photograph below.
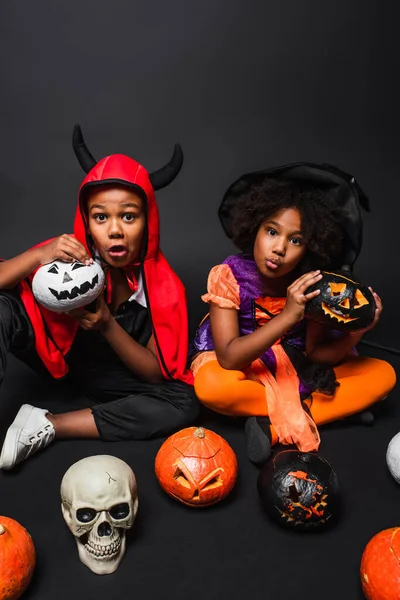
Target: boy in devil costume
x=128 y=352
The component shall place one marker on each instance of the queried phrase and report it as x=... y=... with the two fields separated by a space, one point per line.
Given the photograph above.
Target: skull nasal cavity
x=104 y=529
x=66 y=278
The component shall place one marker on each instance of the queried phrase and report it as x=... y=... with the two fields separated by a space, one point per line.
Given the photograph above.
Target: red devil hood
x=122 y=170
x=165 y=294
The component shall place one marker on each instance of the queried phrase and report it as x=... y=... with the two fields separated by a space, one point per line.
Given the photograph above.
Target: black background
x=242 y=86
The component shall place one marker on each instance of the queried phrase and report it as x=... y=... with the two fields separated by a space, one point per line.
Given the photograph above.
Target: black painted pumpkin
x=343 y=304
x=299 y=490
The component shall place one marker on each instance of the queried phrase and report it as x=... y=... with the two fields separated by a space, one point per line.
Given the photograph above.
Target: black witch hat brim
x=341 y=187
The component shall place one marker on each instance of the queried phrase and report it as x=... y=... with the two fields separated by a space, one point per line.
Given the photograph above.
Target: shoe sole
x=10 y=445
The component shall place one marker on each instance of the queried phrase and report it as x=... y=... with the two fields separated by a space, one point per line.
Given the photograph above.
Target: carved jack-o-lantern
x=196 y=466
x=299 y=490
x=343 y=303
x=61 y=286
x=380 y=566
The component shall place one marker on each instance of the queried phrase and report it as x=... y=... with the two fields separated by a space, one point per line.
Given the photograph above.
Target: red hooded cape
x=165 y=294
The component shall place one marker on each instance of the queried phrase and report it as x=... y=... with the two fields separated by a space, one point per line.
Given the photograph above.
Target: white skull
x=99 y=503
x=61 y=286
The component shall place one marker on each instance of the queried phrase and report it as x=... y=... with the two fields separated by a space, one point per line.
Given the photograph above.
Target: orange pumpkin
x=196 y=466
x=17 y=559
x=380 y=568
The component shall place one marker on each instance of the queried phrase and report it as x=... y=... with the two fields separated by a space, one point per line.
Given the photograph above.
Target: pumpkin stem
x=199 y=432
x=2 y=530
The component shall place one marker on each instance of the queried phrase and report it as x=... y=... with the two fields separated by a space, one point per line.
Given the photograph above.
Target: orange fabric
x=363 y=381
x=272 y=305
x=201 y=359
x=222 y=288
x=290 y=421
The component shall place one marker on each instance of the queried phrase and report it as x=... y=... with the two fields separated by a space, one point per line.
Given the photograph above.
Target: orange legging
x=363 y=381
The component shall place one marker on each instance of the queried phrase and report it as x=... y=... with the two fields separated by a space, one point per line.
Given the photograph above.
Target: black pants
x=123 y=407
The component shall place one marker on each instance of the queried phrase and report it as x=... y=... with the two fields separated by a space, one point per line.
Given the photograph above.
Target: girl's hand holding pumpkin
x=297 y=298
x=378 y=312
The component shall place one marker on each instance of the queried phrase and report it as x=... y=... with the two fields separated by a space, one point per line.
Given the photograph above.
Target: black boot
x=258 y=439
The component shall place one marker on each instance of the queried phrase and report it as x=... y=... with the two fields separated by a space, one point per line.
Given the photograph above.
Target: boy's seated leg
x=153 y=410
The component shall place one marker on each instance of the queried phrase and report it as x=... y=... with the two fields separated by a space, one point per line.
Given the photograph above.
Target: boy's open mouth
x=117 y=251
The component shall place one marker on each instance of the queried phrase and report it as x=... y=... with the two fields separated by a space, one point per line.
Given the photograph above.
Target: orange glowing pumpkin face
x=342 y=304
x=196 y=466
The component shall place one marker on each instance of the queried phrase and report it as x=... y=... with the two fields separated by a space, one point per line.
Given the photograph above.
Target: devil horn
x=86 y=160
x=167 y=174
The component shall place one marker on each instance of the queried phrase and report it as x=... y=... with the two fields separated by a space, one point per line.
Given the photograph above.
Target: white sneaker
x=29 y=432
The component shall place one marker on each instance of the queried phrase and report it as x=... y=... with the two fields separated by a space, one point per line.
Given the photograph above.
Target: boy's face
x=279 y=244
x=116 y=222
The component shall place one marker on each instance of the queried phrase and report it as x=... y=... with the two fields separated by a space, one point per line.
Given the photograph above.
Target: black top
x=93 y=363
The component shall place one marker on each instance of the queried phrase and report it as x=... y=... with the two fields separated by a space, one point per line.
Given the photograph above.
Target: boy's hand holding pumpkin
x=66 y=248
x=100 y=319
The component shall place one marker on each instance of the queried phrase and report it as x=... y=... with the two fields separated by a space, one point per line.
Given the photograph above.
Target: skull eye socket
x=77 y=265
x=119 y=511
x=85 y=515
x=53 y=269
x=337 y=288
x=180 y=476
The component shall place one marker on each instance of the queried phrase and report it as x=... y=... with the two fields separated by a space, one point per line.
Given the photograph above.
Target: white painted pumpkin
x=393 y=457
x=61 y=286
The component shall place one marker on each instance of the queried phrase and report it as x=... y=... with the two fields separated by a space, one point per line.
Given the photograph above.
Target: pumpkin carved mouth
x=341 y=311
x=336 y=314
x=291 y=520
x=75 y=291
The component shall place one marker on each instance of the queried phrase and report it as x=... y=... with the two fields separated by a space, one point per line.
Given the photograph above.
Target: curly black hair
x=321 y=220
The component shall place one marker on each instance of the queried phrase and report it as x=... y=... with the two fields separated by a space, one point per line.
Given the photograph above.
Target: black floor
x=230 y=550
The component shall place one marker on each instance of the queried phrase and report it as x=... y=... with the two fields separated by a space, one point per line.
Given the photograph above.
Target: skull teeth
x=103 y=551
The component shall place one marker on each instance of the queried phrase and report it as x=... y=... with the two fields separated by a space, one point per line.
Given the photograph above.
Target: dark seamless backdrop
x=242 y=86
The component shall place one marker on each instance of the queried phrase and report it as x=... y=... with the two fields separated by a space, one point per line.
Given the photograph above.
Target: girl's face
x=279 y=245
x=116 y=222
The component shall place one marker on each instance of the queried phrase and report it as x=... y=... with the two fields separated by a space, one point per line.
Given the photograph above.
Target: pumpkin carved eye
x=214 y=482
x=293 y=493
x=359 y=299
x=337 y=288
x=180 y=476
x=77 y=265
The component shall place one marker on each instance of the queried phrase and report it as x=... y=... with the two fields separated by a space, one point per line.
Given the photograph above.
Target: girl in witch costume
x=254 y=354
x=129 y=352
